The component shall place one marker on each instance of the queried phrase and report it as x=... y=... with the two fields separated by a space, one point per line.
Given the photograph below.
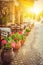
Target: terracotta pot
x=17 y=46
x=22 y=42
x=27 y=33
x=7 y=55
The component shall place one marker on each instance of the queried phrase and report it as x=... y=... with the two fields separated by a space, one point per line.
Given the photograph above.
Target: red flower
x=17 y=46
x=20 y=32
x=4 y=41
x=13 y=44
x=15 y=38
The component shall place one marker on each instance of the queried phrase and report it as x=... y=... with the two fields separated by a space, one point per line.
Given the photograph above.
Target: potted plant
x=7 y=55
x=22 y=39
x=27 y=31
x=31 y=26
x=16 y=37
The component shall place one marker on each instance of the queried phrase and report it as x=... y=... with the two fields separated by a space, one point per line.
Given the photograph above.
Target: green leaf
x=28 y=30
x=8 y=45
x=6 y=38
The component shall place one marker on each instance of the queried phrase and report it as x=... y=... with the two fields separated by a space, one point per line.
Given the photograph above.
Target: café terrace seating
x=6 y=30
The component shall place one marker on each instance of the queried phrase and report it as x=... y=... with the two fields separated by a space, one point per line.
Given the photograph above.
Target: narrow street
x=32 y=51
x=38 y=43
x=21 y=32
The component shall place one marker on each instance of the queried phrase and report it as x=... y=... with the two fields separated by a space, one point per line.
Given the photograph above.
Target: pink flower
x=13 y=44
x=4 y=41
x=20 y=32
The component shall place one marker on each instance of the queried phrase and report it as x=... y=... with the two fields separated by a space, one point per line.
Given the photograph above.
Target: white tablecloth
x=5 y=29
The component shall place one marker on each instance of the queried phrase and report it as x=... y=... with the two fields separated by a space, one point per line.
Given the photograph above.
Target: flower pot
x=22 y=42
x=7 y=55
x=17 y=46
x=27 y=33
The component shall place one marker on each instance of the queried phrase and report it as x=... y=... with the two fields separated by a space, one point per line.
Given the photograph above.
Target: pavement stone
x=31 y=53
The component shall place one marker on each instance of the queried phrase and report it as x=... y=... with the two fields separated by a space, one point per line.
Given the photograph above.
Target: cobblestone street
x=32 y=51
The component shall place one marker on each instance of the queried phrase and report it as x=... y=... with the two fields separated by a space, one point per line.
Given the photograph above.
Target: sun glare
x=36 y=10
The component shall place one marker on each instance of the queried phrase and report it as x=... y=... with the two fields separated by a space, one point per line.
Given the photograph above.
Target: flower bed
x=15 y=40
